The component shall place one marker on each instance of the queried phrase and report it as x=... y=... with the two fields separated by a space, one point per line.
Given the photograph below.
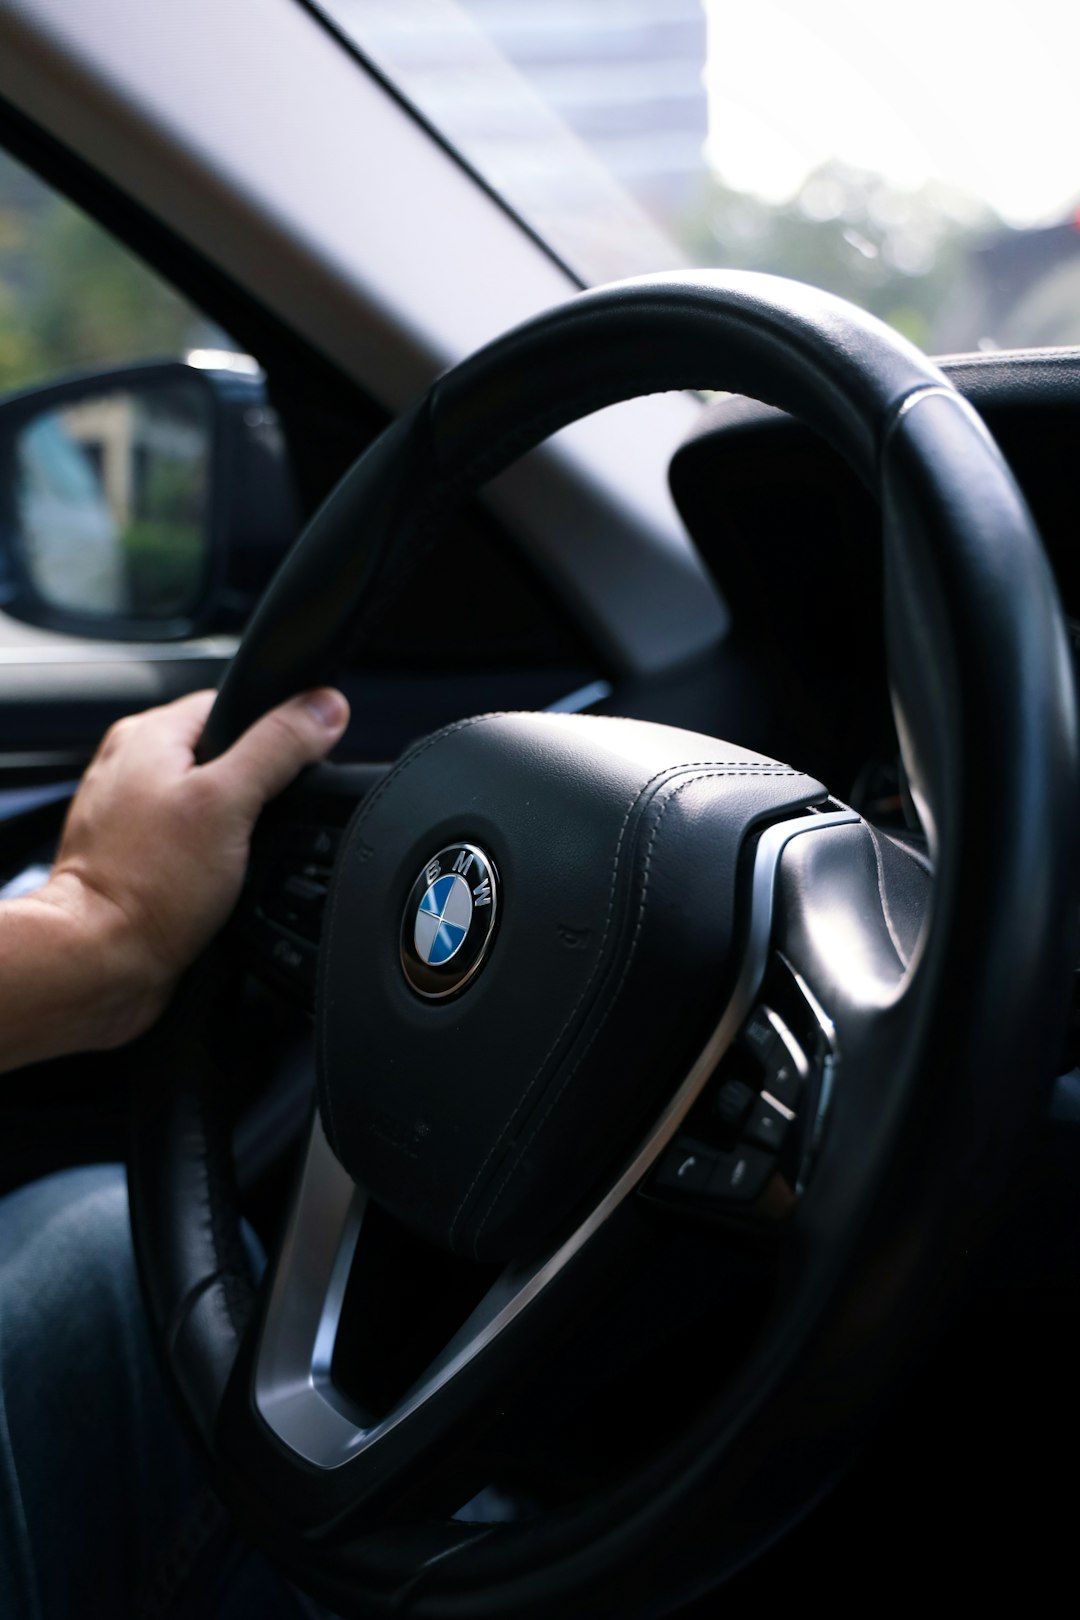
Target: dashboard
x=793 y=540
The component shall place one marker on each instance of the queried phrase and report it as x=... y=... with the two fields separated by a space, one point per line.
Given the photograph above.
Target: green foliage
x=174 y=490
x=164 y=561
x=71 y=298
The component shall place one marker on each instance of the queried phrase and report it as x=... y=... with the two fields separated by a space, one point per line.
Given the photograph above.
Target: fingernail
x=329 y=707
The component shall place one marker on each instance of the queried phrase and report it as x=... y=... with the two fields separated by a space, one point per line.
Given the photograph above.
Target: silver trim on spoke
x=294 y=1392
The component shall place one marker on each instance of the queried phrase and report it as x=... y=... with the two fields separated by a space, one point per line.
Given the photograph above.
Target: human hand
x=153 y=854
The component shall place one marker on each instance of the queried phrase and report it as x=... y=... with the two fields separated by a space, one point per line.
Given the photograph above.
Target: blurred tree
x=71 y=297
x=894 y=252
x=96 y=305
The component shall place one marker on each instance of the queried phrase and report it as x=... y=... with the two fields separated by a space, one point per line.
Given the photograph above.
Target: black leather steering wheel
x=591 y=991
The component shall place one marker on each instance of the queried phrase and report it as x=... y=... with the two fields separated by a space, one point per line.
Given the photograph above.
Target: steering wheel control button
x=783 y=1083
x=292 y=957
x=782 y=1079
x=317 y=846
x=777 y=1069
x=299 y=905
x=768 y=1124
x=739 y=1177
x=760 y=1039
x=685 y=1169
x=733 y=1102
x=449 y=920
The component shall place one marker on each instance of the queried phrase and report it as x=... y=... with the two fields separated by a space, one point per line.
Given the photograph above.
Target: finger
x=169 y=728
x=270 y=753
x=184 y=720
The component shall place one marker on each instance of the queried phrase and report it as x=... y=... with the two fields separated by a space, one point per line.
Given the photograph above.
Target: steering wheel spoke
x=340 y=1297
x=294 y=1391
x=295 y=846
x=748 y=1117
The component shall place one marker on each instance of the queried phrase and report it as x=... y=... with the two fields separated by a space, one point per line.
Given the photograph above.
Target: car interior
x=700 y=1219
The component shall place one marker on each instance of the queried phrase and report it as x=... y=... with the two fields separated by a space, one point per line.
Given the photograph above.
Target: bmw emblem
x=449 y=920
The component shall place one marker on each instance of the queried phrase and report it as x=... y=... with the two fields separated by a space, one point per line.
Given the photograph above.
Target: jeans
x=102 y=1512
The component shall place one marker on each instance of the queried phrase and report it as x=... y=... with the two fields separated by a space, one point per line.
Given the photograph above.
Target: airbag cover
x=486 y=1120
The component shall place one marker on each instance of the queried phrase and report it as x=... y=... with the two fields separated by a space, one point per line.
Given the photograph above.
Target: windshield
x=921 y=160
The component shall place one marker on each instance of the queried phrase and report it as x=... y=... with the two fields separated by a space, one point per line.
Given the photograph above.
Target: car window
x=145 y=487
x=72 y=298
x=919 y=161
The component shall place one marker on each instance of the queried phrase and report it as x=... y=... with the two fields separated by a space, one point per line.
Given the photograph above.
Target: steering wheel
x=599 y=1001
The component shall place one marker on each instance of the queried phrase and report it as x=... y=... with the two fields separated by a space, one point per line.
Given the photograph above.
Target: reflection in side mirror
x=111 y=502
x=149 y=502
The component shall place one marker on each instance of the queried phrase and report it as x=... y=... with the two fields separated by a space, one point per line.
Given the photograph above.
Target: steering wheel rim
x=976 y=685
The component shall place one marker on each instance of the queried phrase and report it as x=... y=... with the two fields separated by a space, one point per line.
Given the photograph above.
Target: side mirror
x=145 y=503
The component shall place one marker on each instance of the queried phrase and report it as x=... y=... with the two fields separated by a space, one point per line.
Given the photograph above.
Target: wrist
x=107 y=985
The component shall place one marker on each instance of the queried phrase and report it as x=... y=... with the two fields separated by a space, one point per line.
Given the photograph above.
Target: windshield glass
x=921 y=160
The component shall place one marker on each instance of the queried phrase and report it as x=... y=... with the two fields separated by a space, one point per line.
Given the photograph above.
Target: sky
x=983 y=95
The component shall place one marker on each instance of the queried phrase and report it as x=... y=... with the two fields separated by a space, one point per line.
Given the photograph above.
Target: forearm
x=72 y=977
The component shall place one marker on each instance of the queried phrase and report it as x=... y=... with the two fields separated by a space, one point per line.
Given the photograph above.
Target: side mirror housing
x=143 y=503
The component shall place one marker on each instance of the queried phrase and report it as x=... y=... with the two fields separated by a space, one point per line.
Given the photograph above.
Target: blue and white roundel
x=449 y=920
x=443 y=919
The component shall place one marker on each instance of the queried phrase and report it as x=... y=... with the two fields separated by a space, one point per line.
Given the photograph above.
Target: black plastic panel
x=793 y=539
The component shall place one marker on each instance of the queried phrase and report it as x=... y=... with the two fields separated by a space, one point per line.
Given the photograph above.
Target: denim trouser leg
x=94 y=1475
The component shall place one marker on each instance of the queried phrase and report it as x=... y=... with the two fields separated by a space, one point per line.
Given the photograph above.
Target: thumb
x=270 y=753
